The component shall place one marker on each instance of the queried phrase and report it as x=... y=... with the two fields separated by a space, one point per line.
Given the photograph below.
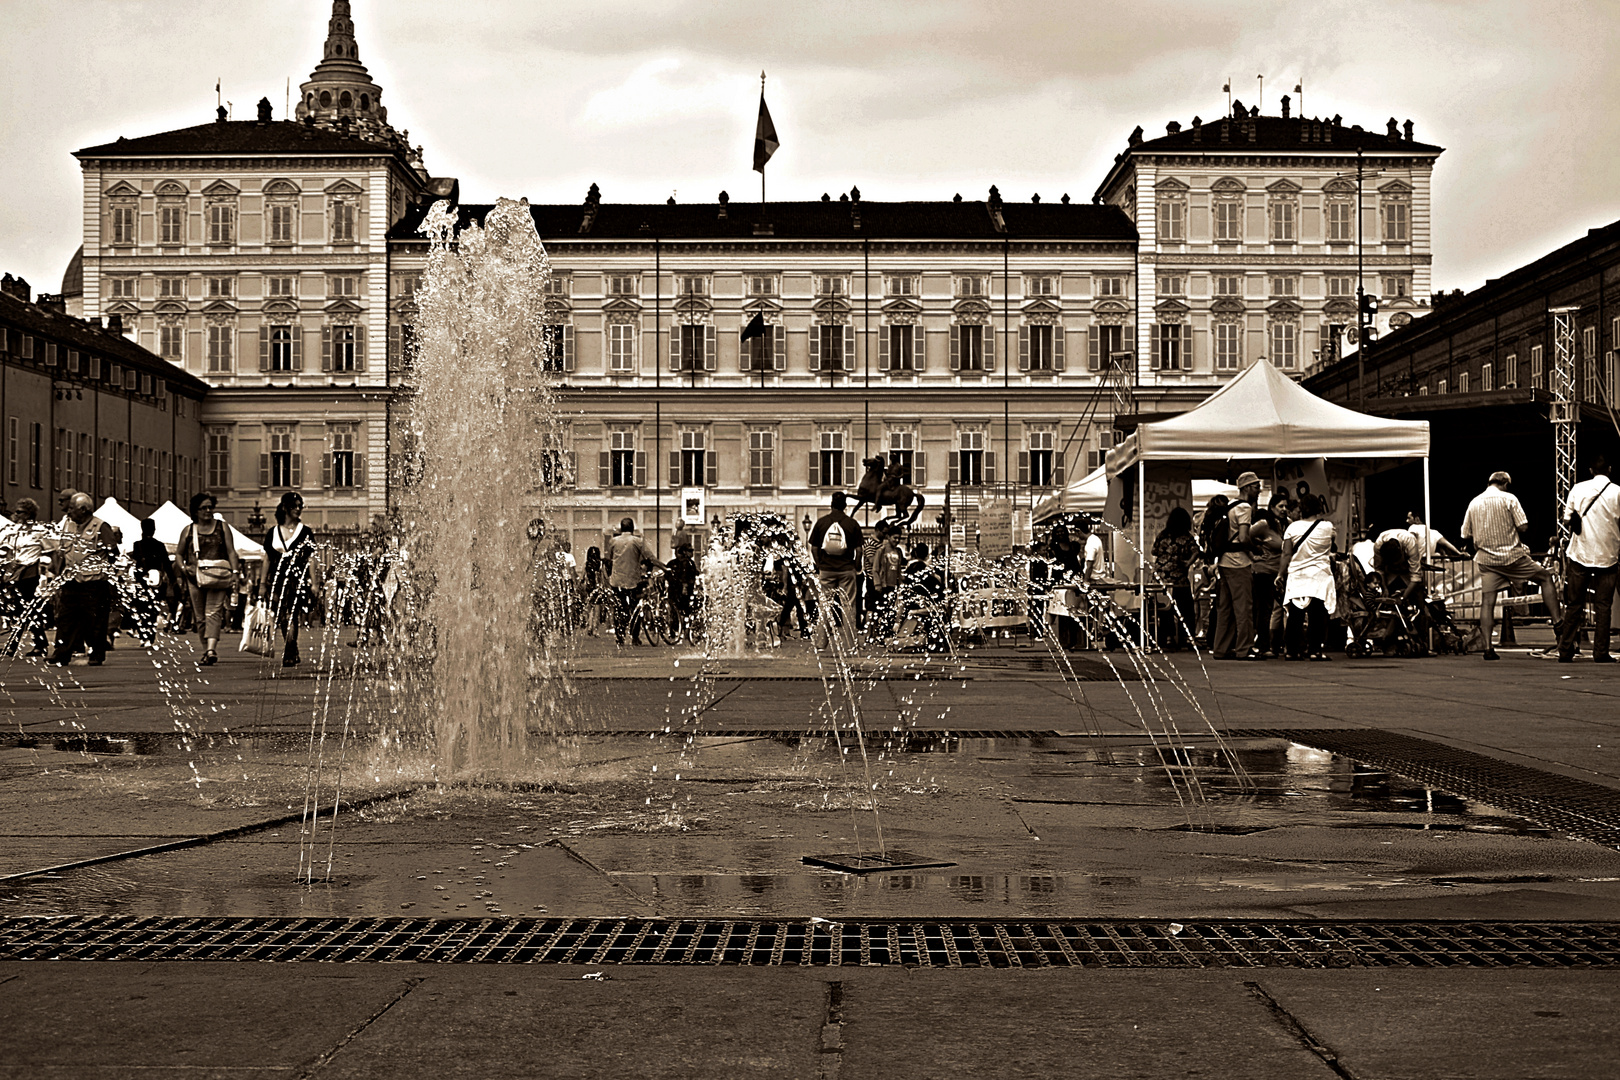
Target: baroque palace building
x=989 y=345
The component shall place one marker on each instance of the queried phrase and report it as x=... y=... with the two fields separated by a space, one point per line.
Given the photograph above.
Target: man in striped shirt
x=1496 y=522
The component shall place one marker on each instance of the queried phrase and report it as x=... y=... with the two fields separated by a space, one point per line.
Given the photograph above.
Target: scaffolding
x=1565 y=415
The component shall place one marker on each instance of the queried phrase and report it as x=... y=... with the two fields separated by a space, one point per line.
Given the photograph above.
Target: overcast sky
x=908 y=100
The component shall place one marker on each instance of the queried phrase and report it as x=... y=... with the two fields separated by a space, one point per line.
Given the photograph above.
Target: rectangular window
x=832 y=347
x=169 y=342
x=123 y=225
x=1511 y=370
x=171 y=288
x=36 y=447
x=344 y=438
x=1110 y=340
x=1589 y=369
x=1462 y=383
x=1228 y=285
x=762 y=350
x=87 y=462
x=694 y=459
x=283 y=439
x=343 y=285
x=903 y=452
x=64 y=454
x=691 y=285
x=555 y=285
x=970 y=459
x=1538 y=371
x=973 y=285
x=1172 y=285
x=620 y=285
x=1041 y=285
x=1443 y=387
x=622 y=458
x=1341 y=222
x=343 y=351
x=1284 y=346
x=1169 y=356
x=1341 y=285
x=762 y=285
x=1172 y=221
x=902 y=285
x=221 y=288
x=1228 y=346
x=219 y=347
x=1284 y=285
x=219 y=458
x=762 y=458
x=1228 y=220
x=221 y=223
x=694 y=347
x=281 y=223
x=104 y=465
x=1041 y=356
x=411 y=284
x=1110 y=286
x=281 y=353
x=622 y=347
x=280 y=286
x=970 y=348
x=1397 y=286
x=832 y=459
x=13 y=447
x=121 y=288
x=831 y=285
x=1041 y=453
x=1395 y=222
x=551 y=348
x=1282 y=222
x=343 y=217
x=900 y=347
x=171 y=224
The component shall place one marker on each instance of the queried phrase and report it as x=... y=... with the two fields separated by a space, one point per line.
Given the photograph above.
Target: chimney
x=1065 y=198
x=1035 y=198
x=1285 y=106
x=18 y=287
x=593 y=199
x=1394 y=130
x=1226 y=130
x=724 y=199
x=115 y=324
x=1173 y=127
x=1407 y=127
x=1136 y=136
x=994 y=206
x=220 y=114
x=855 y=206
x=264 y=110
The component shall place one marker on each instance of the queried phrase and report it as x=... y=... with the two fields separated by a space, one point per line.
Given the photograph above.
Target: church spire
x=340 y=91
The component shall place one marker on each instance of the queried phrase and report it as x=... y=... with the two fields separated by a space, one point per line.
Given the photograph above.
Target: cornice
x=239 y=163
x=851 y=249
x=1219 y=259
x=1314 y=158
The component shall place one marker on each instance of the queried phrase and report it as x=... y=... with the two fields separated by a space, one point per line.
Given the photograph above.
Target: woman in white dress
x=1309 y=596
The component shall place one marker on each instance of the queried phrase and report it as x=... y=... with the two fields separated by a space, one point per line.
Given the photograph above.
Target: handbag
x=258 y=631
x=211 y=573
x=1574 y=522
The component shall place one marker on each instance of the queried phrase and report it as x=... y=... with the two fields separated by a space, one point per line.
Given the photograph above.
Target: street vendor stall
x=1261 y=420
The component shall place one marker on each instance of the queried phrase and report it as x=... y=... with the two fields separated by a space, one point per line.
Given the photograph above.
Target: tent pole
x=1428 y=516
x=1141 y=556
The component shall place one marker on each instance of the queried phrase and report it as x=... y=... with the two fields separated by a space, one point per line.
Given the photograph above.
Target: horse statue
x=881 y=486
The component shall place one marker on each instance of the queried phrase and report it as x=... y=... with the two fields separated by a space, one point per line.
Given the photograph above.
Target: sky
x=903 y=98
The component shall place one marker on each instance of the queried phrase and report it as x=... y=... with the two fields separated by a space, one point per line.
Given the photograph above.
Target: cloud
x=664 y=89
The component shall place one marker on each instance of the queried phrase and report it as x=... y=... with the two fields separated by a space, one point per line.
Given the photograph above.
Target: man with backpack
x=835 y=545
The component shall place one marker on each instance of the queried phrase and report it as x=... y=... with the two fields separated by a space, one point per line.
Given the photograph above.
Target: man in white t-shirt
x=1590 y=561
x=1496 y=523
x=1430 y=539
x=1234 y=599
x=1092 y=565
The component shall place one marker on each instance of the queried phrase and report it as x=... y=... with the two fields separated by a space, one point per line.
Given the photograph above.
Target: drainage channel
x=821 y=943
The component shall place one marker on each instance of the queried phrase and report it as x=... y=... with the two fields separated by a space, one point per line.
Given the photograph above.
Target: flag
x=1299 y=88
x=1226 y=88
x=756 y=326
x=765 y=141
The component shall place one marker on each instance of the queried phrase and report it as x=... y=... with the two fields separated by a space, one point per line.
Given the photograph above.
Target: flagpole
x=762 y=164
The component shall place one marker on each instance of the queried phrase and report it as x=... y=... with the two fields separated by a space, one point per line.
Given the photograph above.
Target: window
x=622 y=347
x=123 y=223
x=831 y=285
x=281 y=347
x=344 y=459
x=219 y=347
x=901 y=285
x=693 y=348
x=1106 y=341
x=1228 y=220
x=121 y=288
x=1589 y=371
x=686 y=285
x=1041 y=353
x=344 y=350
x=971 y=342
x=280 y=286
x=1341 y=285
x=1228 y=285
x=283 y=439
x=1538 y=373
x=1397 y=287
x=345 y=285
x=622 y=457
x=221 y=288
x=1228 y=346
x=831 y=463
x=829 y=343
x=221 y=223
x=973 y=285
x=901 y=345
x=170 y=336
x=1511 y=370
x=219 y=458
x=555 y=284
x=1110 y=286
x=693 y=459
x=762 y=285
x=343 y=219
x=1285 y=285
x=105 y=464
x=620 y=285
x=62 y=476
x=1172 y=285
x=408 y=285
x=1462 y=383
x=1173 y=219
x=171 y=288
x=281 y=222
x=171 y=224
x=13 y=447
x=1041 y=285
x=553 y=347
x=1284 y=345
x=761 y=355
x=1443 y=386
x=1284 y=213
x=970 y=459
x=1341 y=224
x=903 y=452
x=1041 y=458
x=36 y=446
x=762 y=458
x=1171 y=347
x=1396 y=224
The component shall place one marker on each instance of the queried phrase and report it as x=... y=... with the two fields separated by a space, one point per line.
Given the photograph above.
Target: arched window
x=345 y=101
x=326 y=99
x=365 y=102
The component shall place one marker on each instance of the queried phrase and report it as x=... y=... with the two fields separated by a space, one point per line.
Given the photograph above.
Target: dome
x=73 y=277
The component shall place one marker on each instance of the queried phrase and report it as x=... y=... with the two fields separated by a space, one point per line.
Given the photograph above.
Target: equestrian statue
x=882 y=486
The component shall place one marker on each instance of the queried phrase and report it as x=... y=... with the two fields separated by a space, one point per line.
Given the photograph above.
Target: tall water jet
x=481 y=451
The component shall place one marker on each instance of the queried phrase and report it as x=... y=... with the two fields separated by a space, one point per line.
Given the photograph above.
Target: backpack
x=833 y=541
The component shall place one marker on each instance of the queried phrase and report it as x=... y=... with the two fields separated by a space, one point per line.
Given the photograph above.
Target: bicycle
x=652 y=618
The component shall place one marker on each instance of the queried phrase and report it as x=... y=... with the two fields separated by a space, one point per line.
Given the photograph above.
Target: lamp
x=808 y=524
x=716 y=522
x=256 y=519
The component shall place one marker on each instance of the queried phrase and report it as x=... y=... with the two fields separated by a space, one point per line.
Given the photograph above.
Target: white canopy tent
x=128 y=525
x=1258 y=418
x=1089 y=495
x=171 y=520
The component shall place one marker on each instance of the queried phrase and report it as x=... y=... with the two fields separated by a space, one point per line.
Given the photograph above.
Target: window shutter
x=298 y=470
x=359 y=348
x=604 y=469
x=641 y=468
x=989 y=467
x=849 y=468
x=674 y=468
x=956 y=348
x=674 y=348
x=393 y=348
x=779 y=342
x=264 y=470
x=710 y=356
x=814 y=473
x=1130 y=344
x=1058 y=334
x=848 y=333
x=1153 y=347
x=953 y=462
x=264 y=348
x=1094 y=348
x=1057 y=468
x=568 y=348
x=815 y=347
x=1023 y=348
x=297 y=347
x=711 y=467
x=1186 y=347
x=359 y=470
x=326 y=348
x=919 y=346
x=989 y=339
x=1023 y=467
x=326 y=470
x=884 y=333
x=919 y=469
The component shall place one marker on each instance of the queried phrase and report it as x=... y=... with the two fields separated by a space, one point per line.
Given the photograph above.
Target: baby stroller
x=1388 y=612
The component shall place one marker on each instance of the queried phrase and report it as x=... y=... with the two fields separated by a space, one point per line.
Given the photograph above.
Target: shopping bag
x=258 y=631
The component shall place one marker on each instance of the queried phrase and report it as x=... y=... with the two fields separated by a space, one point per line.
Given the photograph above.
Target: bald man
x=87 y=549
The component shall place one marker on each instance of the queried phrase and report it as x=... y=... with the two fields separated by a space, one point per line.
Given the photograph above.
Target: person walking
x=208 y=562
x=592 y=590
x=288 y=548
x=1234 y=599
x=835 y=545
x=1590 y=561
x=82 y=561
x=28 y=556
x=1309 y=593
x=153 y=570
x=1496 y=523
x=627 y=558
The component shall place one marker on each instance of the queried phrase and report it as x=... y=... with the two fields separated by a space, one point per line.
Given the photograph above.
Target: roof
x=230 y=138
x=813 y=220
x=73 y=276
x=87 y=337
x=1264 y=415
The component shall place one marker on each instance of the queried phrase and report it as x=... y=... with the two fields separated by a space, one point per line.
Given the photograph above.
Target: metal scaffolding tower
x=1566 y=414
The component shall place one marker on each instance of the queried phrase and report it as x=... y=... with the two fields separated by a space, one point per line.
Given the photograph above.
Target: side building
x=85 y=408
x=968 y=341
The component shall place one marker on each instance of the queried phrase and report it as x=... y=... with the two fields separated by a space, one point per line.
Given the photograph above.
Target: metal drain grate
x=821 y=943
